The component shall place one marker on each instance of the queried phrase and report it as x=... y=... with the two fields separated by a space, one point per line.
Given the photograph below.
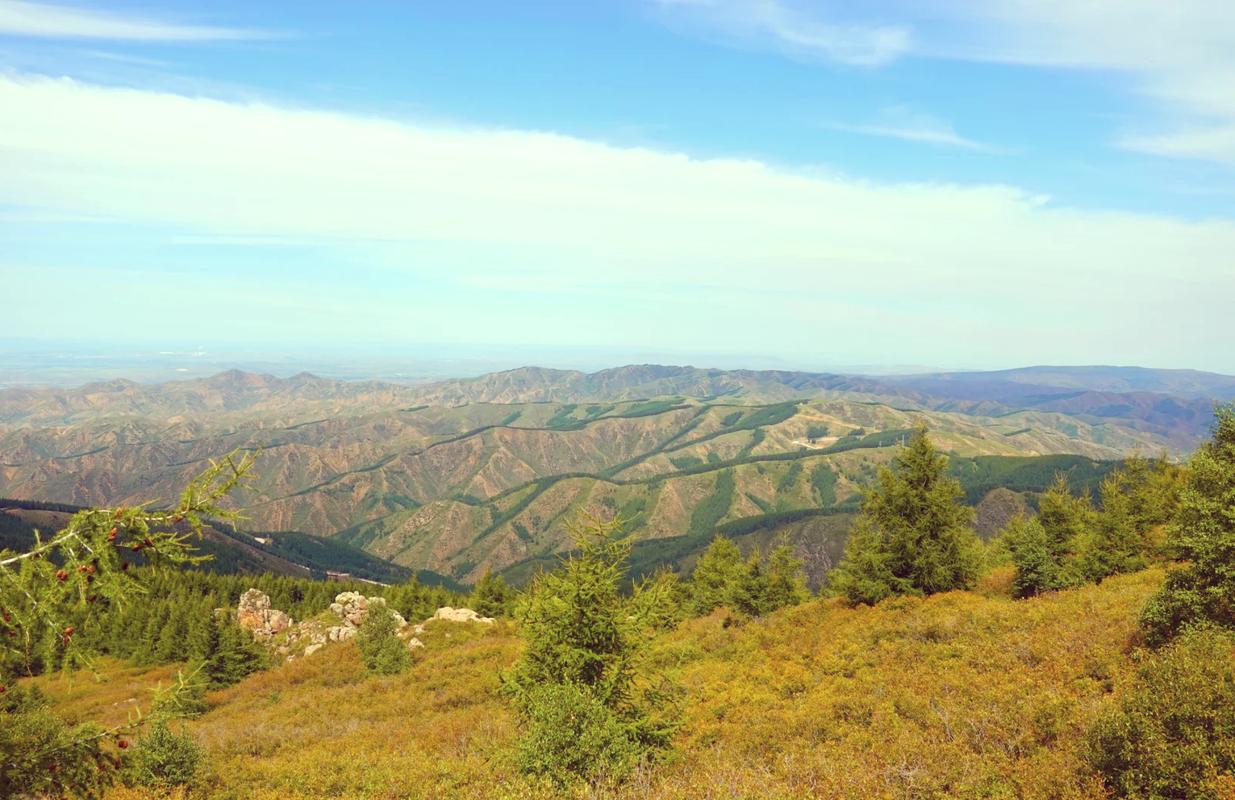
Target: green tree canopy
x=382 y=652
x=1203 y=536
x=584 y=646
x=914 y=535
x=492 y=597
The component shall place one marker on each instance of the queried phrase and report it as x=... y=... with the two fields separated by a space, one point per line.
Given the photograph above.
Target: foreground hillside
x=958 y=695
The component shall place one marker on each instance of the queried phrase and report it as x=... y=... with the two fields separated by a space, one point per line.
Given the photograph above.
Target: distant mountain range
x=462 y=475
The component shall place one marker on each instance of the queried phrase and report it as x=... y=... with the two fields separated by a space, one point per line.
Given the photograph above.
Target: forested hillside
x=464 y=476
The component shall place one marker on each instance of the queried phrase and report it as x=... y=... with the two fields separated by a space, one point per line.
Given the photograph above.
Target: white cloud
x=473 y=208
x=900 y=122
x=781 y=26
x=21 y=18
x=1213 y=143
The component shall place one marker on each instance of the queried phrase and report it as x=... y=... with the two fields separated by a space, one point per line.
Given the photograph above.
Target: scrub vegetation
x=1087 y=651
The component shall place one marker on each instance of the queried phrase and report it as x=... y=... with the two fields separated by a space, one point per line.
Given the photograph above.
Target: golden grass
x=109 y=694
x=959 y=695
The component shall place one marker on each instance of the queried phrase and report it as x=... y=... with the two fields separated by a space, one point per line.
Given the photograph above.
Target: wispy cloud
x=1208 y=142
x=776 y=24
x=44 y=20
x=900 y=122
x=1179 y=54
x=446 y=209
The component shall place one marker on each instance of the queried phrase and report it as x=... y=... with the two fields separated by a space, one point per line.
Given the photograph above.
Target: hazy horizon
x=35 y=363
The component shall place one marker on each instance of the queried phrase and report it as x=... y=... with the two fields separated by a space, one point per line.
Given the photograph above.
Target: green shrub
x=164 y=759
x=382 y=652
x=1173 y=735
x=40 y=755
x=571 y=735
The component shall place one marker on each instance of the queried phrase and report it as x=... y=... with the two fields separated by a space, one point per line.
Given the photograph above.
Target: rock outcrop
x=349 y=611
x=460 y=615
x=449 y=614
x=255 y=615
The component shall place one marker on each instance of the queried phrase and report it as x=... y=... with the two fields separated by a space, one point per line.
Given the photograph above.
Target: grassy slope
x=959 y=695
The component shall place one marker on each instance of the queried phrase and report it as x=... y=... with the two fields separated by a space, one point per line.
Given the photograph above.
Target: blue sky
x=945 y=183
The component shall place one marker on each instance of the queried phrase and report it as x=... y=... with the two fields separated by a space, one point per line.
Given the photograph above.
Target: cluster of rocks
x=279 y=631
x=256 y=616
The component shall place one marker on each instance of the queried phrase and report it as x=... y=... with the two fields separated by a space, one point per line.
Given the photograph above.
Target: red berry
x=122 y=744
x=3 y=689
x=62 y=576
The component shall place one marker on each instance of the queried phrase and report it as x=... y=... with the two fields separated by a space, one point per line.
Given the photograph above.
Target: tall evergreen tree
x=588 y=709
x=914 y=535
x=1033 y=555
x=231 y=654
x=1065 y=518
x=718 y=572
x=492 y=597
x=786 y=586
x=1203 y=536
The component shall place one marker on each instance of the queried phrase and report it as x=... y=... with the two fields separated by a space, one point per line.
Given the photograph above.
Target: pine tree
x=145 y=652
x=914 y=535
x=749 y=593
x=1065 y=518
x=1202 y=591
x=382 y=652
x=231 y=654
x=717 y=575
x=587 y=708
x=784 y=577
x=1036 y=562
x=492 y=596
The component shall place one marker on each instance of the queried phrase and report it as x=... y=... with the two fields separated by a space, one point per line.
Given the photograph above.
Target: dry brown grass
x=959 y=695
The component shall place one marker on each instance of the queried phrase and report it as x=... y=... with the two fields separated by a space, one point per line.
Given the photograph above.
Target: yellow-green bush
x=1173 y=734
